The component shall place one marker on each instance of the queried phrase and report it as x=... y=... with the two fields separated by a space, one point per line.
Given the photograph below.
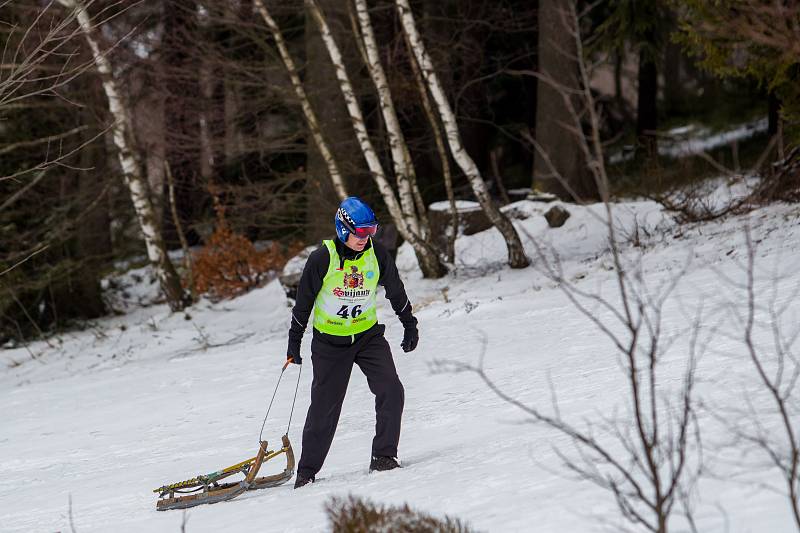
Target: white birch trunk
x=443 y=157
x=516 y=253
x=136 y=183
x=410 y=195
x=429 y=262
x=305 y=104
x=402 y=162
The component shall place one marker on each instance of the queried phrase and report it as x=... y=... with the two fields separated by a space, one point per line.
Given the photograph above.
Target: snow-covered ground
x=101 y=417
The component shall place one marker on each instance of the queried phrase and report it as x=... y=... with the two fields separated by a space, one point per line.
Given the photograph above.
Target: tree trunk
x=94 y=238
x=646 y=112
x=335 y=128
x=773 y=114
x=216 y=87
x=516 y=253
x=403 y=166
x=74 y=290
x=184 y=142
x=647 y=105
x=136 y=183
x=444 y=159
x=321 y=145
x=674 y=81
x=561 y=167
x=233 y=145
x=429 y=262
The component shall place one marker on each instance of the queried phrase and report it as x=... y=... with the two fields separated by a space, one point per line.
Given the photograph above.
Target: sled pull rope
x=300 y=371
x=269 y=408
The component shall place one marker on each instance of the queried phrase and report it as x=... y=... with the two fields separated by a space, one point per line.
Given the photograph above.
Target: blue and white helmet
x=353 y=213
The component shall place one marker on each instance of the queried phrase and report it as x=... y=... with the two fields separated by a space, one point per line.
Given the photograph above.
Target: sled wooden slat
x=221 y=492
x=278 y=479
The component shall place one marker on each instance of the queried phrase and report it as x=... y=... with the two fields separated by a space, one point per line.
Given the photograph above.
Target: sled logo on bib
x=354 y=280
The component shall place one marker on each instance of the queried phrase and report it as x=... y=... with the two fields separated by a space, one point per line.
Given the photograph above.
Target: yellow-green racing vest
x=345 y=304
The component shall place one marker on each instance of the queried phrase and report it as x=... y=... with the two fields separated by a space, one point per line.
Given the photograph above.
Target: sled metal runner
x=207 y=488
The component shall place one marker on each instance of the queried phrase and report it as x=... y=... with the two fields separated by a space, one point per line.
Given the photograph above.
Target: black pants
x=332 y=365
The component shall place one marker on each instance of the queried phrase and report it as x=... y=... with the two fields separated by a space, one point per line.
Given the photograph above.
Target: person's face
x=355 y=243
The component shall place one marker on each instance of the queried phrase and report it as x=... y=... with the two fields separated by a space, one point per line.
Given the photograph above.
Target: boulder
x=556 y=216
x=290 y=275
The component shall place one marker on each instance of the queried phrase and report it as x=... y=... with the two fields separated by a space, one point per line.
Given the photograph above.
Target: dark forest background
x=213 y=114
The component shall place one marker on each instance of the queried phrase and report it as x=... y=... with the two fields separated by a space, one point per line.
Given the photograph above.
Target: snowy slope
x=105 y=415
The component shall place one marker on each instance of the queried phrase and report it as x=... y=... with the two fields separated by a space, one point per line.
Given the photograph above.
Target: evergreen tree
x=749 y=38
x=640 y=26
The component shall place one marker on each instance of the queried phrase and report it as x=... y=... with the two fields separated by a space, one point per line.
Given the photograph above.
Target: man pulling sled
x=340 y=281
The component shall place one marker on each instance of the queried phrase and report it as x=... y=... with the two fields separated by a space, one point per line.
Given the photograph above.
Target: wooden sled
x=208 y=489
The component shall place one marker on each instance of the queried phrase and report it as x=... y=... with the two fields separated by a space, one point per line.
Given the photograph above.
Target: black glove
x=410 y=339
x=294 y=348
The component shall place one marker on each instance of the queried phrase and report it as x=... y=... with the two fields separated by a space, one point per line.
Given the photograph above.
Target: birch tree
x=407 y=222
x=403 y=165
x=516 y=253
x=438 y=137
x=405 y=174
x=134 y=180
x=305 y=104
x=403 y=168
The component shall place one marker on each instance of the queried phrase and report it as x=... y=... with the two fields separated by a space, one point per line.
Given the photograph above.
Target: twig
x=12 y=267
x=71 y=521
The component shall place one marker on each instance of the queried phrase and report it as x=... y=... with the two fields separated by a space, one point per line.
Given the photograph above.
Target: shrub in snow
x=783 y=180
x=357 y=515
x=230 y=265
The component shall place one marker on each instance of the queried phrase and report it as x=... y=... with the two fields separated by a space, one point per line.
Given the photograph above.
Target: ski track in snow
x=107 y=414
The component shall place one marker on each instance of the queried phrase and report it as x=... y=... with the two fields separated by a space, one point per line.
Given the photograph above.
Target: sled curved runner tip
x=206 y=488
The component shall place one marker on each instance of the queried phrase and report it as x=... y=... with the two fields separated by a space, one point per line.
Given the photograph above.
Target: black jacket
x=311 y=283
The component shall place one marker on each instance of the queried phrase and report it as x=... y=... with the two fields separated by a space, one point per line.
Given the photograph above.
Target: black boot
x=301 y=481
x=382 y=462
